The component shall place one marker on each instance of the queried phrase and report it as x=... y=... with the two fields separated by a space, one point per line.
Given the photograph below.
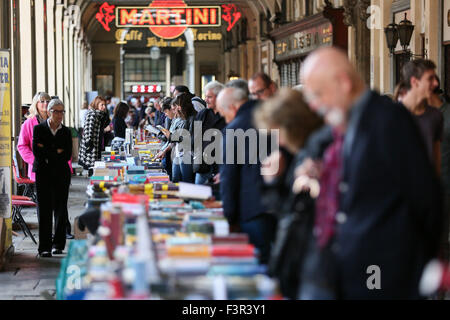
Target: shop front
x=294 y=41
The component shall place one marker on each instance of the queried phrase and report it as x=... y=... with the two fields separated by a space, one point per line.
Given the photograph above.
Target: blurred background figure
x=368 y=214
x=419 y=77
x=287 y=112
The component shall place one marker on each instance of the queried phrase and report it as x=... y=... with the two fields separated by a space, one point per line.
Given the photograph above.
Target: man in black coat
x=389 y=215
x=241 y=181
x=52 y=149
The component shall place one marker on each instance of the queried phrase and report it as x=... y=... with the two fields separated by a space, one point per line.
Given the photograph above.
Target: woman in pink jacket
x=37 y=114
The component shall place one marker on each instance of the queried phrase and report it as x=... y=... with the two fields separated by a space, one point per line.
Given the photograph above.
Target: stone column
x=41 y=71
x=356 y=17
x=26 y=63
x=51 y=57
x=59 y=62
x=252 y=58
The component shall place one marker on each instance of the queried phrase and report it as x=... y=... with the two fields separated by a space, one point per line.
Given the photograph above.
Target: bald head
x=330 y=81
x=229 y=101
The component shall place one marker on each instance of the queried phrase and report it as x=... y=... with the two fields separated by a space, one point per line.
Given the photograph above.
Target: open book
x=152 y=129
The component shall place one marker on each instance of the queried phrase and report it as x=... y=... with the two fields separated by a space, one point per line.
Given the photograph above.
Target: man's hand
x=160 y=155
x=216 y=178
x=273 y=166
x=165 y=132
x=60 y=151
x=306 y=178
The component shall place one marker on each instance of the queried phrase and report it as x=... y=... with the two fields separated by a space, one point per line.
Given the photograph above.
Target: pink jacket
x=25 y=146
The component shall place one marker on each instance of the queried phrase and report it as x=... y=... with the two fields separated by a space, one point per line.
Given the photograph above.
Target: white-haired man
x=52 y=149
x=204 y=173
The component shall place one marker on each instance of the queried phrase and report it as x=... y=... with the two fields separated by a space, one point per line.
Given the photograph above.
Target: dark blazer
x=390 y=205
x=240 y=184
x=46 y=158
x=119 y=127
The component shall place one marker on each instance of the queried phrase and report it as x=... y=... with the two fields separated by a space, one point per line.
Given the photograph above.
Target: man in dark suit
x=388 y=220
x=52 y=148
x=241 y=181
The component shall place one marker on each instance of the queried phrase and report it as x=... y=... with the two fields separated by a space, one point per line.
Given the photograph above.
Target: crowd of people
x=359 y=180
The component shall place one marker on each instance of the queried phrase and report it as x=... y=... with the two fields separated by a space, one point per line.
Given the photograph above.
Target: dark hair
x=416 y=69
x=264 y=77
x=121 y=110
x=438 y=89
x=400 y=90
x=184 y=101
x=166 y=103
x=182 y=89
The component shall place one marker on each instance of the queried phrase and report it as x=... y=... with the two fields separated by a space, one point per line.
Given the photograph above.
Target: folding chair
x=18 y=203
x=23 y=182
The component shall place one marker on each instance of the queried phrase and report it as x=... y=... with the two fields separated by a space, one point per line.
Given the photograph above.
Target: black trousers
x=52 y=195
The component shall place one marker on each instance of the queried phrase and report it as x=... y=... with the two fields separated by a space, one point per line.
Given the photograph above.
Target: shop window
x=104 y=84
x=144 y=69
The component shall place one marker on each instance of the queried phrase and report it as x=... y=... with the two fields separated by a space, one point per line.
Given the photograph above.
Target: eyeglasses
x=258 y=93
x=58 y=111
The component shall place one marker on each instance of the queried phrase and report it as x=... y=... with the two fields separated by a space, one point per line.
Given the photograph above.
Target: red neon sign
x=105 y=15
x=168 y=19
x=232 y=15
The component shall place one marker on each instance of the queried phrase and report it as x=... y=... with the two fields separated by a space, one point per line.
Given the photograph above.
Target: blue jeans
x=182 y=173
x=261 y=231
x=167 y=165
x=202 y=178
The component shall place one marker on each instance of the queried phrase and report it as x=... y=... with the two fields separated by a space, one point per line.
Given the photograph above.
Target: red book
x=234 y=238
x=233 y=250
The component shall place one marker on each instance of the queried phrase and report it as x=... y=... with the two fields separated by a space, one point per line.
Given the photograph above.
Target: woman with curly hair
x=97 y=119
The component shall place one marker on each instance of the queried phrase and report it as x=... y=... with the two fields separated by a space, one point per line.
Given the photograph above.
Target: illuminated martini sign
x=168 y=19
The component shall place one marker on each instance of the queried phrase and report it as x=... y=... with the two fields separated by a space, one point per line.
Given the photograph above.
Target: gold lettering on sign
x=207 y=36
x=154 y=42
x=123 y=36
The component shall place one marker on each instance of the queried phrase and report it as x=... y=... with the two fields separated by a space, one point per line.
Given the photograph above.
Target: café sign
x=303 y=42
x=168 y=19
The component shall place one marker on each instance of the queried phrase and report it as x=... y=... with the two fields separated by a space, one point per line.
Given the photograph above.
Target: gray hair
x=215 y=87
x=239 y=84
x=54 y=103
x=232 y=95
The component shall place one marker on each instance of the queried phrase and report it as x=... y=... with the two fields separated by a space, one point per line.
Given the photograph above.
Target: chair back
x=15 y=166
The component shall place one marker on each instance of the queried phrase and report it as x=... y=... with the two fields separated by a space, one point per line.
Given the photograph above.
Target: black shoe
x=57 y=251
x=45 y=254
x=70 y=236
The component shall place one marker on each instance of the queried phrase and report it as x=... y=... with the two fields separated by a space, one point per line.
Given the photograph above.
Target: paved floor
x=26 y=276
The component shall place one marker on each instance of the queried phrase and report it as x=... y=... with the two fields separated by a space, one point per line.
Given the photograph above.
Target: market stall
x=153 y=239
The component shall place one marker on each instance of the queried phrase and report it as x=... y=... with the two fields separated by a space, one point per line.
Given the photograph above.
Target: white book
x=194 y=191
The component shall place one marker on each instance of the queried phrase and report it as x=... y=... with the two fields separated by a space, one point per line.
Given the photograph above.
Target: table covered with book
x=157 y=239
